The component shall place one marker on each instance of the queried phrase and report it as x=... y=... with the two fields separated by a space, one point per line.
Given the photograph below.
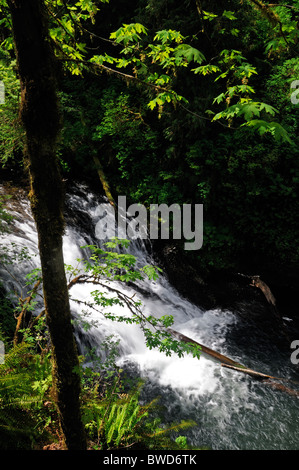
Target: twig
x=25 y=304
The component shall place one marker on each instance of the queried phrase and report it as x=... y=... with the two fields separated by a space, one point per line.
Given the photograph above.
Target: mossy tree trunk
x=40 y=116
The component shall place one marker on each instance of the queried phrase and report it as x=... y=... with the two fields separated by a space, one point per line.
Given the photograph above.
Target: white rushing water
x=231 y=410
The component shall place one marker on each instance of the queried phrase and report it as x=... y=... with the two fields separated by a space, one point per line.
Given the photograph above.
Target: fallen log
x=210 y=352
x=267 y=380
x=233 y=365
x=253 y=373
x=283 y=388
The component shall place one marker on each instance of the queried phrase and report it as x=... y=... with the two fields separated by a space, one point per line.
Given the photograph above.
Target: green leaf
x=229 y=14
x=190 y=53
x=277 y=130
x=168 y=35
x=268 y=108
x=151 y=272
x=248 y=110
x=209 y=16
x=128 y=33
x=206 y=69
x=219 y=98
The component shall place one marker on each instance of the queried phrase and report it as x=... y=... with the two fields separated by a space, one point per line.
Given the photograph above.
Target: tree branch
x=25 y=304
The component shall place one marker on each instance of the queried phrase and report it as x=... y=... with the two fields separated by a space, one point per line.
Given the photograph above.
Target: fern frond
x=23 y=401
x=17 y=429
x=14 y=359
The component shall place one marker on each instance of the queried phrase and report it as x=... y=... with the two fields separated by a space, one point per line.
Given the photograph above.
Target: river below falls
x=232 y=411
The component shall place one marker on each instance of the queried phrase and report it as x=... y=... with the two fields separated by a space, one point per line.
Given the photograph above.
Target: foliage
x=112 y=263
x=237 y=86
x=27 y=409
x=234 y=66
x=112 y=414
x=11 y=135
x=7 y=320
x=152 y=58
x=131 y=141
x=21 y=298
x=209 y=121
x=169 y=52
x=219 y=77
x=104 y=266
x=212 y=90
x=119 y=421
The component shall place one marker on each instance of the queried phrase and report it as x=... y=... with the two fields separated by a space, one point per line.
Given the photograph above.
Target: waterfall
x=231 y=410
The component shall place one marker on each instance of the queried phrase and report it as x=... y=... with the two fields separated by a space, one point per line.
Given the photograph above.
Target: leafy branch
x=102 y=267
x=113 y=266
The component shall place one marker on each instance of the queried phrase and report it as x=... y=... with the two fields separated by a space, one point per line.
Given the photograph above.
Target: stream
x=232 y=411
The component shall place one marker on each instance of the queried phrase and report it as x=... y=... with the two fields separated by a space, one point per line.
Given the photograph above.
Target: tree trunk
x=40 y=116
